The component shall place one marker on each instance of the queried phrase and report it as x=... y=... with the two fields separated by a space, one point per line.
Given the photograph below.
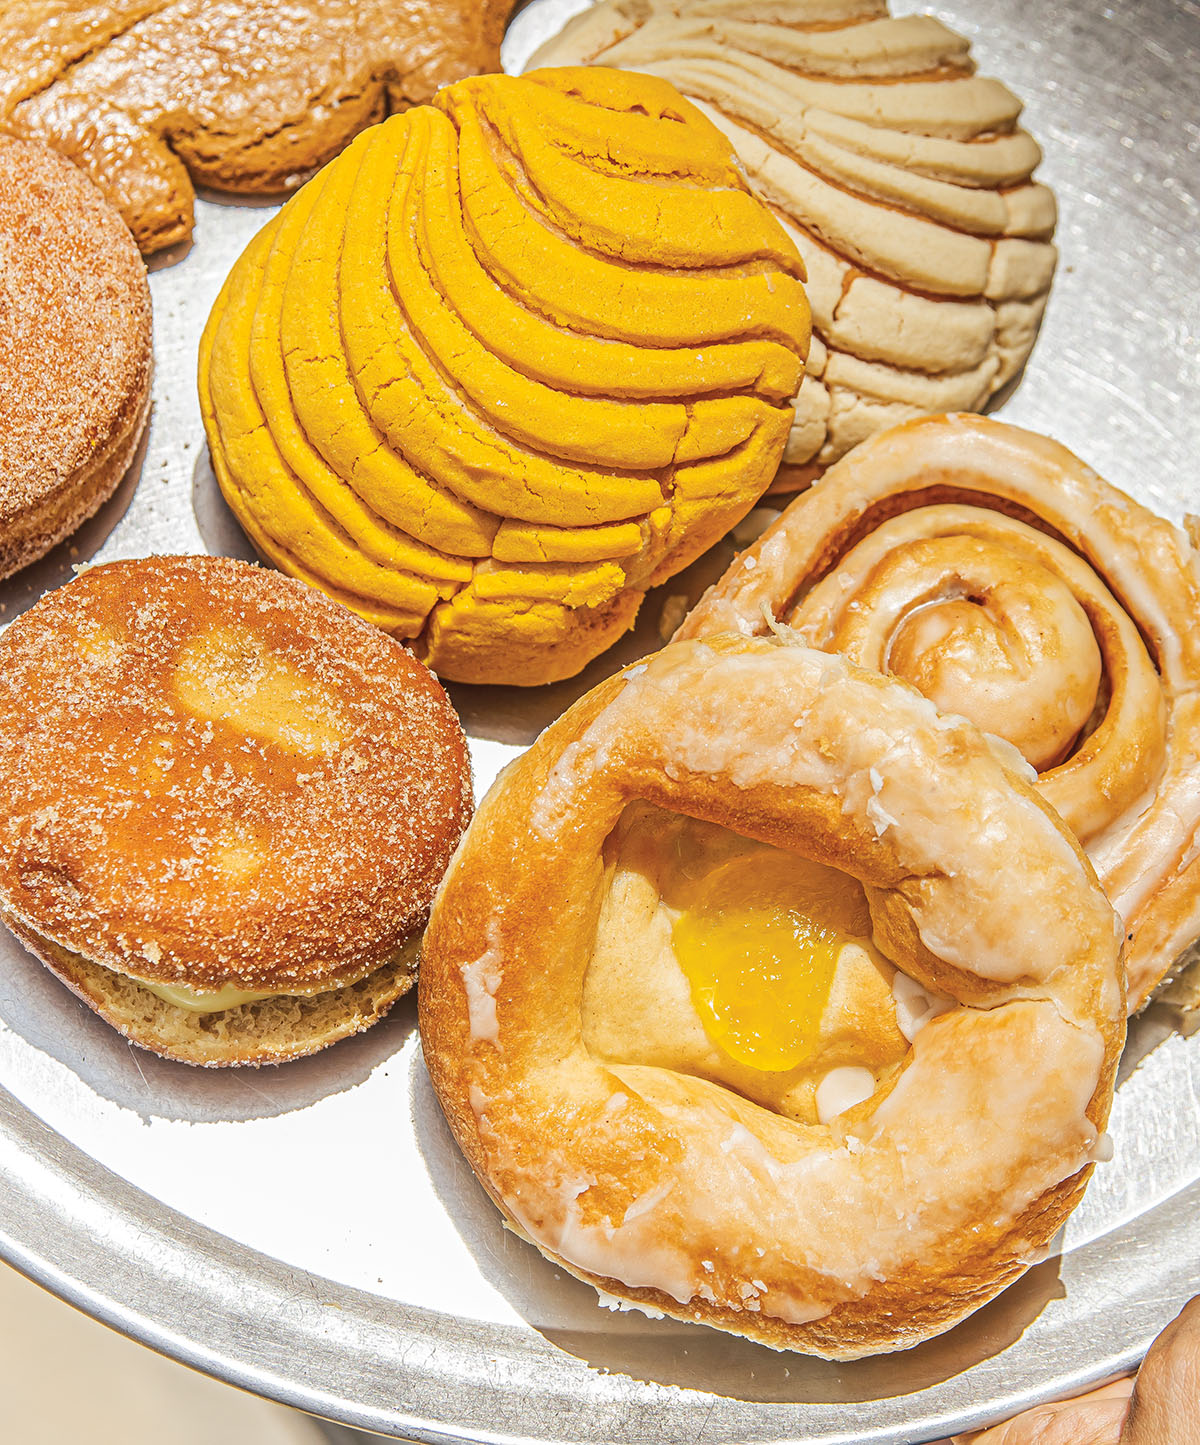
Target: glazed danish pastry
x=1002 y=577
x=727 y=1006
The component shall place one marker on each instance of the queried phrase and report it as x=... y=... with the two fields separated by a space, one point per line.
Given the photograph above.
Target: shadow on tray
x=48 y=1016
x=669 y=1352
x=217 y=525
x=57 y=567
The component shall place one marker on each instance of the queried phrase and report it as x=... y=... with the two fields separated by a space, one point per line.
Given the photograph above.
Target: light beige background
x=65 y=1380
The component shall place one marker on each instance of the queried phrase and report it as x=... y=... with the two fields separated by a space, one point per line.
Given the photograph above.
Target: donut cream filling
x=201 y=1002
x=205 y=1001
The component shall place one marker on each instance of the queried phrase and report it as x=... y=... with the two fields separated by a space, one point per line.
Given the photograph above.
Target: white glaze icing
x=841 y=1089
x=481 y=978
x=636 y=1251
x=623 y=1306
x=1104 y=1152
x=915 y=1006
x=938 y=829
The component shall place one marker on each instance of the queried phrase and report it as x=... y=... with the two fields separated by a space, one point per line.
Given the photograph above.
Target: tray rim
x=60 y=1207
x=80 y=1214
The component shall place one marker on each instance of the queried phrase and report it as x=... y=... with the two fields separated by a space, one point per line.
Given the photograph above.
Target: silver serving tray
x=311 y=1232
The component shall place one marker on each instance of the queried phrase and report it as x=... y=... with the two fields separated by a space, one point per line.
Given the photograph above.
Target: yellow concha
x=507 y=362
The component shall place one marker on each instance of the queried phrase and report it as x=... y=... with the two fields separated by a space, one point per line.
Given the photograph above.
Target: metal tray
x=310 y=1232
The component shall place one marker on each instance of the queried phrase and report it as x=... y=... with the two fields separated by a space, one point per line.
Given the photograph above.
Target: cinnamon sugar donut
x=75 y=336
x=657 y=1136
x=225 y=803
x=1001 y=576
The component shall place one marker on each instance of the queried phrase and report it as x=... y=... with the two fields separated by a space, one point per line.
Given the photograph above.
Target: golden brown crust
x=663 y=1188
x=1001 y=576
x=266 y=1031
x=212 y=775
x=245 y=97
x=75 y=337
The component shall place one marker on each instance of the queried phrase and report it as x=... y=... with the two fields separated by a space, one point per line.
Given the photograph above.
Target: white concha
x=902 y=176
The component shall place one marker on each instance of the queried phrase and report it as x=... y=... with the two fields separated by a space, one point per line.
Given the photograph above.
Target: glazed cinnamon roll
x=1004 y=579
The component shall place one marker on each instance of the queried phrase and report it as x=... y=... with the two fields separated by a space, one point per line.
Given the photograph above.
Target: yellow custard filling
x=739 y=962
x=198 y=1002
x=203 y=1001
x=760 y=957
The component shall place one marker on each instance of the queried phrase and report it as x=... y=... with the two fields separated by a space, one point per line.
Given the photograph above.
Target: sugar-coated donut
x=225 y=803
x=996 y=572
x=75 y=338
x=729 y=1180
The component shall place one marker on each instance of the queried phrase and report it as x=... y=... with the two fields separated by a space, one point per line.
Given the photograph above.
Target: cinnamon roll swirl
x=998 y=574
